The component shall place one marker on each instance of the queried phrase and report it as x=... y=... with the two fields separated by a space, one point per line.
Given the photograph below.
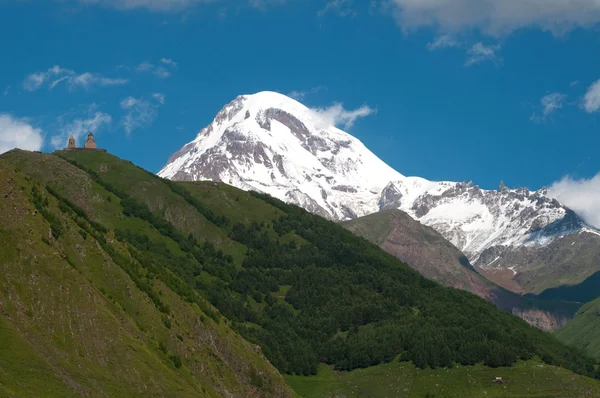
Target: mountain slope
x=421 y=247
x=426 y=250
x=83 y=317
x=270 y=143
x=584 y=330
x=107 y=280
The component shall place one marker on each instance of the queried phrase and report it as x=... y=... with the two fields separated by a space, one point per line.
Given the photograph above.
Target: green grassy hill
x=77 y=318
x=584 y=330
x=116 y=282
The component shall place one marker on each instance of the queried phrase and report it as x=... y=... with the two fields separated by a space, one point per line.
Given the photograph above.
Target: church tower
x=90 y=143
x=71 y=142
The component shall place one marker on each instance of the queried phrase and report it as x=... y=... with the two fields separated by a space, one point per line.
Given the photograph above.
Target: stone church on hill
x=88 y=145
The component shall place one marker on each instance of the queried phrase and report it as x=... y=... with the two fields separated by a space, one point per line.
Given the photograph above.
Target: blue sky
x=463 y=90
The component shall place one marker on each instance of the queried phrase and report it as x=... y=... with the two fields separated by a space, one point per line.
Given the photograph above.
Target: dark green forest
x=308 y=292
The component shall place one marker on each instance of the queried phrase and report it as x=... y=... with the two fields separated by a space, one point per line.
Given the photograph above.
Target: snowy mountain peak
x=270 y=143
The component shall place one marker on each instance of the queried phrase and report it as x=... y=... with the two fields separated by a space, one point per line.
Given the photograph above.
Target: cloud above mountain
x=581 y=195
x=496 y=17
x=18 y=133
x=336 y=115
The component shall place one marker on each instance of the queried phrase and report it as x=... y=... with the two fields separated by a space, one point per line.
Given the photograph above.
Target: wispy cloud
x=140 y=112
x=481 y=53
x=550 y=103
x=342 y=8
x=591 y=99
x=57 y=75
x=300 y=95
x=496 y=17
x=153 y=5
x=161 y=70
x=167 y=5
x=18 y=133
x=160 y=98
x=78 y=123
x=168 y=61
x=581 y=196
x=443 y=41
x=337 y=116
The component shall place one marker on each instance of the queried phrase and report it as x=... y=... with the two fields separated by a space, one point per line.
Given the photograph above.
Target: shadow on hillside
x=583 y=292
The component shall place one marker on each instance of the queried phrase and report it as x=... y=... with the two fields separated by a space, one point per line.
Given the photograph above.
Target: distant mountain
x=270 y=143
x=119 y=283
x=427 y=251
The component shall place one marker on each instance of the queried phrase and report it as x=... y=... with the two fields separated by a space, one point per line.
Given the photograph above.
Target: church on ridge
x=88 y=145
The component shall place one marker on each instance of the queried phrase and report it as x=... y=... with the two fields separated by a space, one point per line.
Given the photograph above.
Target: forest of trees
x=310 y=291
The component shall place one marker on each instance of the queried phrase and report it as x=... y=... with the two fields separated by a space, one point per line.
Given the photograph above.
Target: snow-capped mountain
x=270 y=143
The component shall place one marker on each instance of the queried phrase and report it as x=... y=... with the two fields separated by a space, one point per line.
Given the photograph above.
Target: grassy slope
x=396 y=379
x=584 y=330
x=78 y=324
x=215 y=359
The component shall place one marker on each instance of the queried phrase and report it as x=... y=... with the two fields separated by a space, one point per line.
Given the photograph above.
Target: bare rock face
x=270 y=143
x=541 y=319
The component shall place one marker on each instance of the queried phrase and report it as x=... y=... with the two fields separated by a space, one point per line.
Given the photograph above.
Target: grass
x=72 y=322
x=584 y=329
x=397 y=379
x=23 y=371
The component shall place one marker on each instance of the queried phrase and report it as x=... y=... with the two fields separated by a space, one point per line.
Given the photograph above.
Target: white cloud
x=300 y=95
x=159 y=71
x=160 y=98
x=336 y=115
x=92 y=121
x=169 y=61
x=153 y=5
x=166 y=5
x=56 y=75
x=262 y=4
x=140 y=112
x=340 y=7
x=591 y=100
x=580 y=195
x=481 y=53
x=18 y=133
x=550 y=103
x=144 y=67
x=496 y=17
x=443 y=41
